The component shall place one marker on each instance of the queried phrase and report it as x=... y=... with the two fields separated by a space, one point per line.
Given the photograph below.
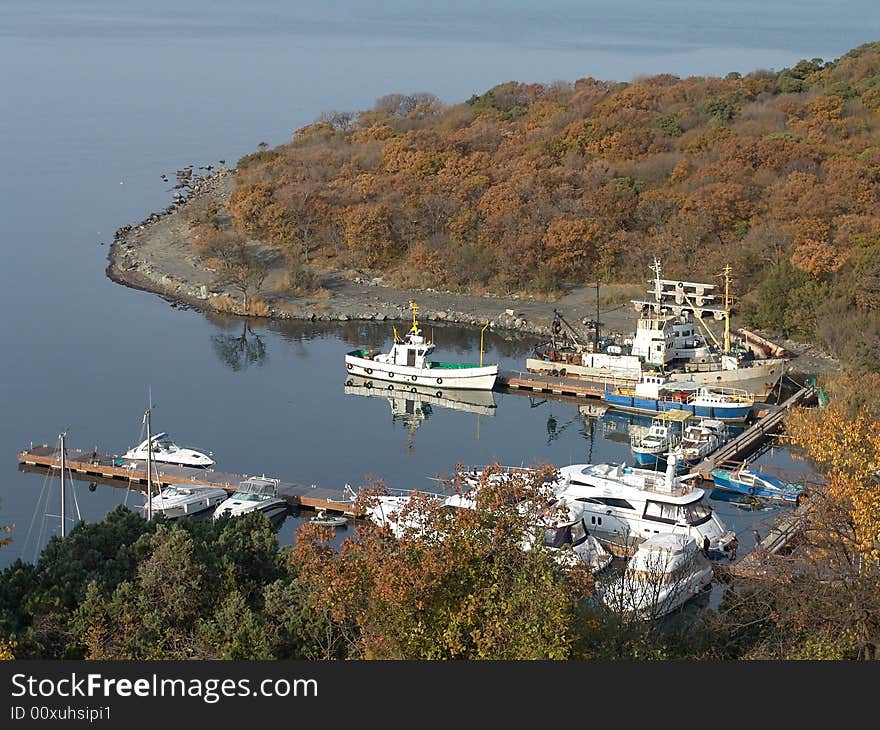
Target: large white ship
x=667 y=341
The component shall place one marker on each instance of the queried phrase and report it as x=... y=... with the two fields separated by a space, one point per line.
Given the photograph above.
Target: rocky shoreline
x=155 y=255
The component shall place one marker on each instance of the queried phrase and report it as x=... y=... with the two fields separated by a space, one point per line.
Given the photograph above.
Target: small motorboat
x=756 y=483
x=652 y=446
x=700 y=440
x=181 y=500
x=256 y=494
x=327 y=520
x=165 y=451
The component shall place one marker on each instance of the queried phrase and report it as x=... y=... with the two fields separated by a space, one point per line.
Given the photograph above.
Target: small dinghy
x=325 y=520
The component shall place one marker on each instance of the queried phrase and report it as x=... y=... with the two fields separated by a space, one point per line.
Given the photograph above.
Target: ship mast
x=727 y=309
x=658 y=285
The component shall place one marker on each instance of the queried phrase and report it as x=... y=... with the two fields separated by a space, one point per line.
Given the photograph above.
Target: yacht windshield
x=250 y=492
x=696 y=513
x=166 y=444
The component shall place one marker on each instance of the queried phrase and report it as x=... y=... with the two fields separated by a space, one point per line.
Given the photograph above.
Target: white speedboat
x=181 y=500
x=165 y=451
x=666 y=571
x=256 y=494
x=624 y=506
x=406 y=365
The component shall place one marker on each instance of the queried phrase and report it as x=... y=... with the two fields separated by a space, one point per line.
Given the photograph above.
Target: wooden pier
x=750 y=440
x=514 y=380
x=94 y=467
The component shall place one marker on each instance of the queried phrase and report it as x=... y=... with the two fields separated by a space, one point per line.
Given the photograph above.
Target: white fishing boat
x=255 y=494
x=181 y=500
x=624 y=506
x=406 y=365
x=666 y=571
x=165 y=451
x=649 y=447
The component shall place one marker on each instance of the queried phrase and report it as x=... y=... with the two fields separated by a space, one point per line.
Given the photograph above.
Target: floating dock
x=515 y=380
x=91 y=466
x=734 y=452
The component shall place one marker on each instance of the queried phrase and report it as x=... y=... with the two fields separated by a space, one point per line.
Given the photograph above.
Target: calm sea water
x=101 y=97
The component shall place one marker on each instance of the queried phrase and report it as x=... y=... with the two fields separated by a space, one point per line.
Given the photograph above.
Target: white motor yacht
x=256 y=494
x=165 y=451
x=700 y=440
x=180 y=500
x=624 y=506
x=666 y=571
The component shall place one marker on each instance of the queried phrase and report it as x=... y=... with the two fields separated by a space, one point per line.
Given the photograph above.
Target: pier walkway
x=127 y=474
x=750 y=440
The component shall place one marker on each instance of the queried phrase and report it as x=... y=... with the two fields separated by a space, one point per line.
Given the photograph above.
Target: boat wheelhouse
x=407 y=365
x=701 y=439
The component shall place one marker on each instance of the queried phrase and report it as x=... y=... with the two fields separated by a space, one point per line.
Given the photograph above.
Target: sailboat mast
x=63 y=500
x=149 y=466
x=596 y=336
x=727 y=309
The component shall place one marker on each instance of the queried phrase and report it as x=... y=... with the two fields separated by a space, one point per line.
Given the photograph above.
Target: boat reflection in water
x=413 y=404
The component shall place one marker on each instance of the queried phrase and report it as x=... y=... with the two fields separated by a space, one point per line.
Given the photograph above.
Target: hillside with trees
x=527 y=188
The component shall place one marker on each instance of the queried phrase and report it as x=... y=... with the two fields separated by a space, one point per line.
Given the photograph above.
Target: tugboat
x=406 y=366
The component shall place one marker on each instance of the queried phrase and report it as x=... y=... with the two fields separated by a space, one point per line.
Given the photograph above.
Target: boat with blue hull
x=756 y=483
x=656 y=394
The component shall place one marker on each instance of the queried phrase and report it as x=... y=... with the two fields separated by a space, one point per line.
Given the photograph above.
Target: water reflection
x=237 y=351
x=414 y=404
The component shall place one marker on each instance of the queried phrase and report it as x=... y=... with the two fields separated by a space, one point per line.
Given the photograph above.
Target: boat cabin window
x=557 y=537
x=696 y=513
x=661 y=512
x=578 y=533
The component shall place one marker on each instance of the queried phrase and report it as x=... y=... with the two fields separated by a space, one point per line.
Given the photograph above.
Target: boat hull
x=407 y=378
x=641 y=404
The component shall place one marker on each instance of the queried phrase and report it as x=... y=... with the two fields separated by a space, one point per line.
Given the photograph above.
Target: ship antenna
x=726 y=309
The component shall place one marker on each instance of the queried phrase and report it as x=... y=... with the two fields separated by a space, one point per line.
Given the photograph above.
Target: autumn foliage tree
x=454 y=584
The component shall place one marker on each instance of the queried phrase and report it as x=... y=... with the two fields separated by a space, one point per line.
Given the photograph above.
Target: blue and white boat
x=651 y=447
x=756 y=483
x=656 y=394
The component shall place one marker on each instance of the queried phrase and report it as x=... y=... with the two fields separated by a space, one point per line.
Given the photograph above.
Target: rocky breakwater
x=154 y=255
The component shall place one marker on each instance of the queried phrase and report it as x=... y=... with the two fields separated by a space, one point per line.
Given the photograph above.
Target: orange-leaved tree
x=465 y=583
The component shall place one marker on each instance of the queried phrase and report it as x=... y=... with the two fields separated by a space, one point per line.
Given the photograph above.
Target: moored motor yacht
x=181 y=500
x=255 y=494
x=666 y=571
x=570 y=541
x=700 y=440
x=624 y=506
x=165 y=451
x=406 y=365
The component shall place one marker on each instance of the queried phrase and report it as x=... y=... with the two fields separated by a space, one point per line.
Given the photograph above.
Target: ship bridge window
x=696 y=513
x=614 y=502
x=661 y=512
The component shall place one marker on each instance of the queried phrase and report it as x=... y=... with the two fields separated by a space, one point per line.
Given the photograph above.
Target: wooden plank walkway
x=517 y=380
x=757 y=563
x=753 y=437
x=108 y=469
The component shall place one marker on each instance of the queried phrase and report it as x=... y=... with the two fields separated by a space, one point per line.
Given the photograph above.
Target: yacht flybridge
x=165 y=451
x=406 y=366
x=625 y=506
